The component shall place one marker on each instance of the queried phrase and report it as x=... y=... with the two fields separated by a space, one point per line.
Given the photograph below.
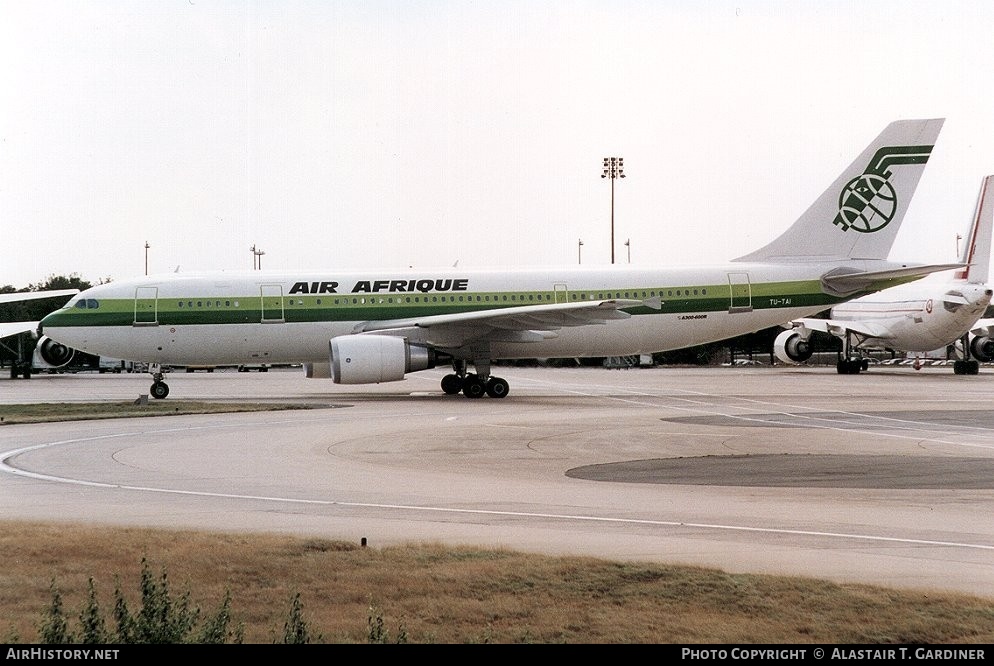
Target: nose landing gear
x=159 y=389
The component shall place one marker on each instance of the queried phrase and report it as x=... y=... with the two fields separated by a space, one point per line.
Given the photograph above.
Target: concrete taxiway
x=886 y=477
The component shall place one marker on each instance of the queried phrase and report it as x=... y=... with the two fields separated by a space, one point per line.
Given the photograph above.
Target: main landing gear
x=966 y=365
x=852 y=363
x=474 y=385
x=159 y=389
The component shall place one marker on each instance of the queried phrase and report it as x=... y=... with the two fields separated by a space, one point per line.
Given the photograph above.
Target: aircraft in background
x=372 y=327
x=8 y=329
x=14 y=327
x=918 y=317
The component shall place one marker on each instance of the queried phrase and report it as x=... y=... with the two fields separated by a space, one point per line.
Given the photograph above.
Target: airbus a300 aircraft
x=918 y=317
x=371 y=327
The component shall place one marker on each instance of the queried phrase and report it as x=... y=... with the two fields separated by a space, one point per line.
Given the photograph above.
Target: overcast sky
x=386 y=134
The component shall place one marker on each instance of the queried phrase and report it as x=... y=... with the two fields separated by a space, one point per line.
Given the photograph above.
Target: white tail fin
x=977 y=251
x=859 y=215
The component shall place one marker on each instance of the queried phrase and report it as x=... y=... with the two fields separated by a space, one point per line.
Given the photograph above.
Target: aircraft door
x=272 y=303
x=146 y=306
x=740 y=290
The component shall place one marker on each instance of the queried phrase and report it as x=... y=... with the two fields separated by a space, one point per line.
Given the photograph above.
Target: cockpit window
x=87 y=304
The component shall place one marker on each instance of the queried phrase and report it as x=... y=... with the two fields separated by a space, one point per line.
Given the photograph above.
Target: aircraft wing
x=15 y=327
x=838 y=327
x=524 y=323
x=30 y=295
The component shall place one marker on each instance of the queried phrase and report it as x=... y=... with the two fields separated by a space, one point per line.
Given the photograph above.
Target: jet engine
x=371 y=359
x=54 y=353
x=982 y=348
x=791 y=347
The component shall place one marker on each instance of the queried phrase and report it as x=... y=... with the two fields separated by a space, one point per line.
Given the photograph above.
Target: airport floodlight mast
x=628 y=244
x=579 y=248
x=256 y=258
x=146 y=257
x=614 y=167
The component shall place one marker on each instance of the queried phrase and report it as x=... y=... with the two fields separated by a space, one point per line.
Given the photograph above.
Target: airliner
x=378 y=326
x=14 y=327
x=918 y=317
x=10 y=328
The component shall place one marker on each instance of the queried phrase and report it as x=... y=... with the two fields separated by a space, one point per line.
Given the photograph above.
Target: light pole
x=628 y=244
x=146 y=257
x=614 y=167
x=579 y=246
x=256 y=258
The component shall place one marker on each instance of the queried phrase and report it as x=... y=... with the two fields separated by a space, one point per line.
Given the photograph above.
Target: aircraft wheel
x=472 y=387
x=973 y=367
x=959 y=367
x=159 y=390
x=451 y=384
x=849 y=366
x=497 y=387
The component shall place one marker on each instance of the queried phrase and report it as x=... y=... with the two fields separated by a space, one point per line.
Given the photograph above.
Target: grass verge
x=428 y=593
x=76 y=411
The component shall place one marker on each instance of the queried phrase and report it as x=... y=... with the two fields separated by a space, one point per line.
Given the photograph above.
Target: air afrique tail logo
x=868 y=202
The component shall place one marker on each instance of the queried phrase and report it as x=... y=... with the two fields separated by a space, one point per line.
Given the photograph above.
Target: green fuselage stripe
x=244 y=309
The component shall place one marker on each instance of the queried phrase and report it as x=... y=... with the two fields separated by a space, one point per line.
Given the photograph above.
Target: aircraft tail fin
x=977 y=251
x=859 y=215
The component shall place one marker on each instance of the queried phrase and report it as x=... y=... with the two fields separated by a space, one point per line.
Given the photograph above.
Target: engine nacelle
x=982 y=348
x=371 y=359
x=791 y=347
x=54 y=353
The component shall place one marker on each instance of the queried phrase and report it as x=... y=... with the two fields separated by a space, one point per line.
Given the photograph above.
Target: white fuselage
x=698 y=305
x=918 y=319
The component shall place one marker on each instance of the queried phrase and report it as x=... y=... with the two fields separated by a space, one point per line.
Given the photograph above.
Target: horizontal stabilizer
x=845 y=281
x=955 y=298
